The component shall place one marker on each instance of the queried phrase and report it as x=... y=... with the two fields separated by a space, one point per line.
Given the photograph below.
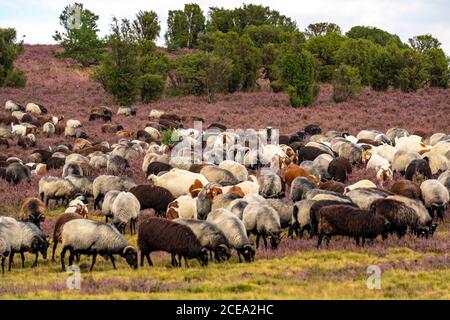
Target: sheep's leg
x=265 y=241
x=357 y=241
x=42 y=196
x=55 y=244
x=142 y=259
x=319 y=240
x=94 y=258
x=257 y=240
x=185 y=262
x=11 y=258
x=22 y=256
x=3 y=265
x=239 y=256
x=77 y=257
x=363 y=241
x=63 y=255
x=71 y=257
x=46 y=202
x=149 y=260
x=174 y=261
x=328 y=238
x=106 y=218
x=35 y=263
x=112 y=261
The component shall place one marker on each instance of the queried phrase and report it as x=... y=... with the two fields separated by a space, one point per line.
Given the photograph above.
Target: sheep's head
x=274 y=239
x=202 y=257
x=130 y=255
x=439 y=209
x=248 y=252
x=39 y=244
x=366 y=155
x=223 y=252
x=384 y=174
x=214 y=192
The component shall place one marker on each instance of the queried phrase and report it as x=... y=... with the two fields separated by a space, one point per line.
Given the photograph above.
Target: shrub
x=80 y=42
x=413 y=73
x=298 y=76
x=16 y=78
x=438 y=70
x=347 y=83
x=187 y=75
x=151 y=87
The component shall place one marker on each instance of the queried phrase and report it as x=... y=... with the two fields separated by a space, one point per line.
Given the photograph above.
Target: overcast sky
x=37 y=20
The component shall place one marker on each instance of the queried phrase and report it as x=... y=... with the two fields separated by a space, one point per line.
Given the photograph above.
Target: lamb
x=363 y=198
x=157 y=234
x=177 y=181
x=435 y=197
x=82 y=236
x=237 y=170
x=125 y=209
x=402 y=159
x=219 y=175
x=117 y=165
x=339 y=169
x=32 y=210
x=62 y=219
x=153 y=197
x=210 y=237
x=270 y=185
x=182 y=207
x=299 y=186
x=338 y=220
x=16 y=172
x=407 y=189
x=103 y=184
x=418 y=170
x=398 y=214
x=234 y=230
x=263 y=221
x=55 y=188
x=366 y=184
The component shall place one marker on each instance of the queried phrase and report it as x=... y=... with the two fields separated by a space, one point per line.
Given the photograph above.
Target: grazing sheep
x=55 y=163
x=27 y=141
x=309 y=153
x=262 y=221
x=237 y=207
x=71 y=168
x=300 y=219
x=219 y=175
x=117 y=165
x=56 y=188
x=339 y=169
x=153 y=197
x=237 y=170
x=407 y=189
x=438 y=162
x=293 y=171
x=402 y=159
x=157 y=234
x=335 y=186
x=418 y=170
x=103 y=184
x=99 y=162
x=125 y=209
x=62 y=219
x=108 y=201
x=177 y=181
x=270 y=185
x=32 y=210
x=210 y=237
x=351 y=152
x=35 y=108
x=284 y=210
x=5 y=249
x=299 y=187
x=361 y=184
x=157 y=167
x=394 y=133
x=182 y=207
x=363 y=198
x=234 y=230
x=48 y=129
x=435 y=197
x=82 y=236
x=83 y=184
x=339 y=220
x=205 y=199
x=444 y=178
x=16 y=172
x=11 y=106
x=126 y=111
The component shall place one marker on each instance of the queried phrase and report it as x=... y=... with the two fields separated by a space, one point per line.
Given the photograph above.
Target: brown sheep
x=124 y=134
x=60 y=222
x=333 y=186
x=339 y=169
x=407 y=189
x=293 y=171
x=195 y=188
x=32 y=210
x=153 y=197
x=81 y=144
x=110 y=128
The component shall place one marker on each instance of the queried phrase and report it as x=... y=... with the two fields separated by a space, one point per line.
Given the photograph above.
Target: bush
x=347 y=83
x=413 y=73
x=16 y=78
x=151 y=87
x=298 y=75
x=438 y=70
x=187 y=75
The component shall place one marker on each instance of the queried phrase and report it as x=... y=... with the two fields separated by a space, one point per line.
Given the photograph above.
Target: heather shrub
x=9 y=52
x=151 y=87
x=347 y=83
x=79 y=38
x=298 y=76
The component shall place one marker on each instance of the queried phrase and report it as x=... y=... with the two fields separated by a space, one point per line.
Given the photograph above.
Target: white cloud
x=406 y=18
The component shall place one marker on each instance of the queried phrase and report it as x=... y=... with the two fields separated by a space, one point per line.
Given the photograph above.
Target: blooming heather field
x=411 y=267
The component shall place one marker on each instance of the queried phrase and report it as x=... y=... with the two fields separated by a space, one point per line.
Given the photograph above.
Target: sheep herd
x=215 y=191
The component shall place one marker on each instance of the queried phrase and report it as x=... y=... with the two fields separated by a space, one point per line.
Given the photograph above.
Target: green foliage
x=424 y=42
x=184 y=27
x=217 y=74
x=169 y=137
x=358 y=53
x=438 y=67
x=187 y=74
x=413 y=73
x=119 y=69
x=322 y=29
x=80 y=41
x=151 y=87
x=298 y=76
x=9 y=52
x=324 y=49
x=147 y=25
x=347 y=83
x=155 y=62
x=378 y=36
x=264 y=34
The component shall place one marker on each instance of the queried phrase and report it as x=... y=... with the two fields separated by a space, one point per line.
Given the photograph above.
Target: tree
x=217 y=74
x=298 y=76
x=347 y=83
x=187 y=74
x=79 y=38
x=438 y=67
x=184 y=27
x=147 y=25
x=119 y=70
x=249 y=62
x=151 y=87
x=424 y=42
x=375 y=35
x=9 y=52
x=413 y=73
x=321 y=29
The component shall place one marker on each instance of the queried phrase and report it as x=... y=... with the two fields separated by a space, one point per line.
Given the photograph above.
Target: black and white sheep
x=56 y=188
x=418 y=170
x=117 y=164
x=104 y=183
x=435 y=197
x=82 y=236
x=125 y=209
x=16 y=172
x=300 y=186
x=264 y=222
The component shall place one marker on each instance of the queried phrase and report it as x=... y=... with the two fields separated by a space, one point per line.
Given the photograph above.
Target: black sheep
x=157 y=234
x=316 y=207
x=339 y=169
x=156 y=167
x=343 y=220
x=45 y=154
x=153 y=197
x=312 y=129
x=26 y=119
x=418 y=167
x=55 y=163
x=17 y=172
x=4 y=142
x=309 y=153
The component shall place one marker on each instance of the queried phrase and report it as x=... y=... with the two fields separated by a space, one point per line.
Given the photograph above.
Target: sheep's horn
x=128 y=248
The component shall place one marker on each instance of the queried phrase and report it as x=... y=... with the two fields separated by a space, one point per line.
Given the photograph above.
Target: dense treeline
x=229 y=49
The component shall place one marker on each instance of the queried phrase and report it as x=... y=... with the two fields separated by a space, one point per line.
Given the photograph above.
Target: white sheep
x=237 y=169
x=183 y=207
x=48 y=129
x=177 y=181
x=435 y=197
x=125 y=209
x=360 y=184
